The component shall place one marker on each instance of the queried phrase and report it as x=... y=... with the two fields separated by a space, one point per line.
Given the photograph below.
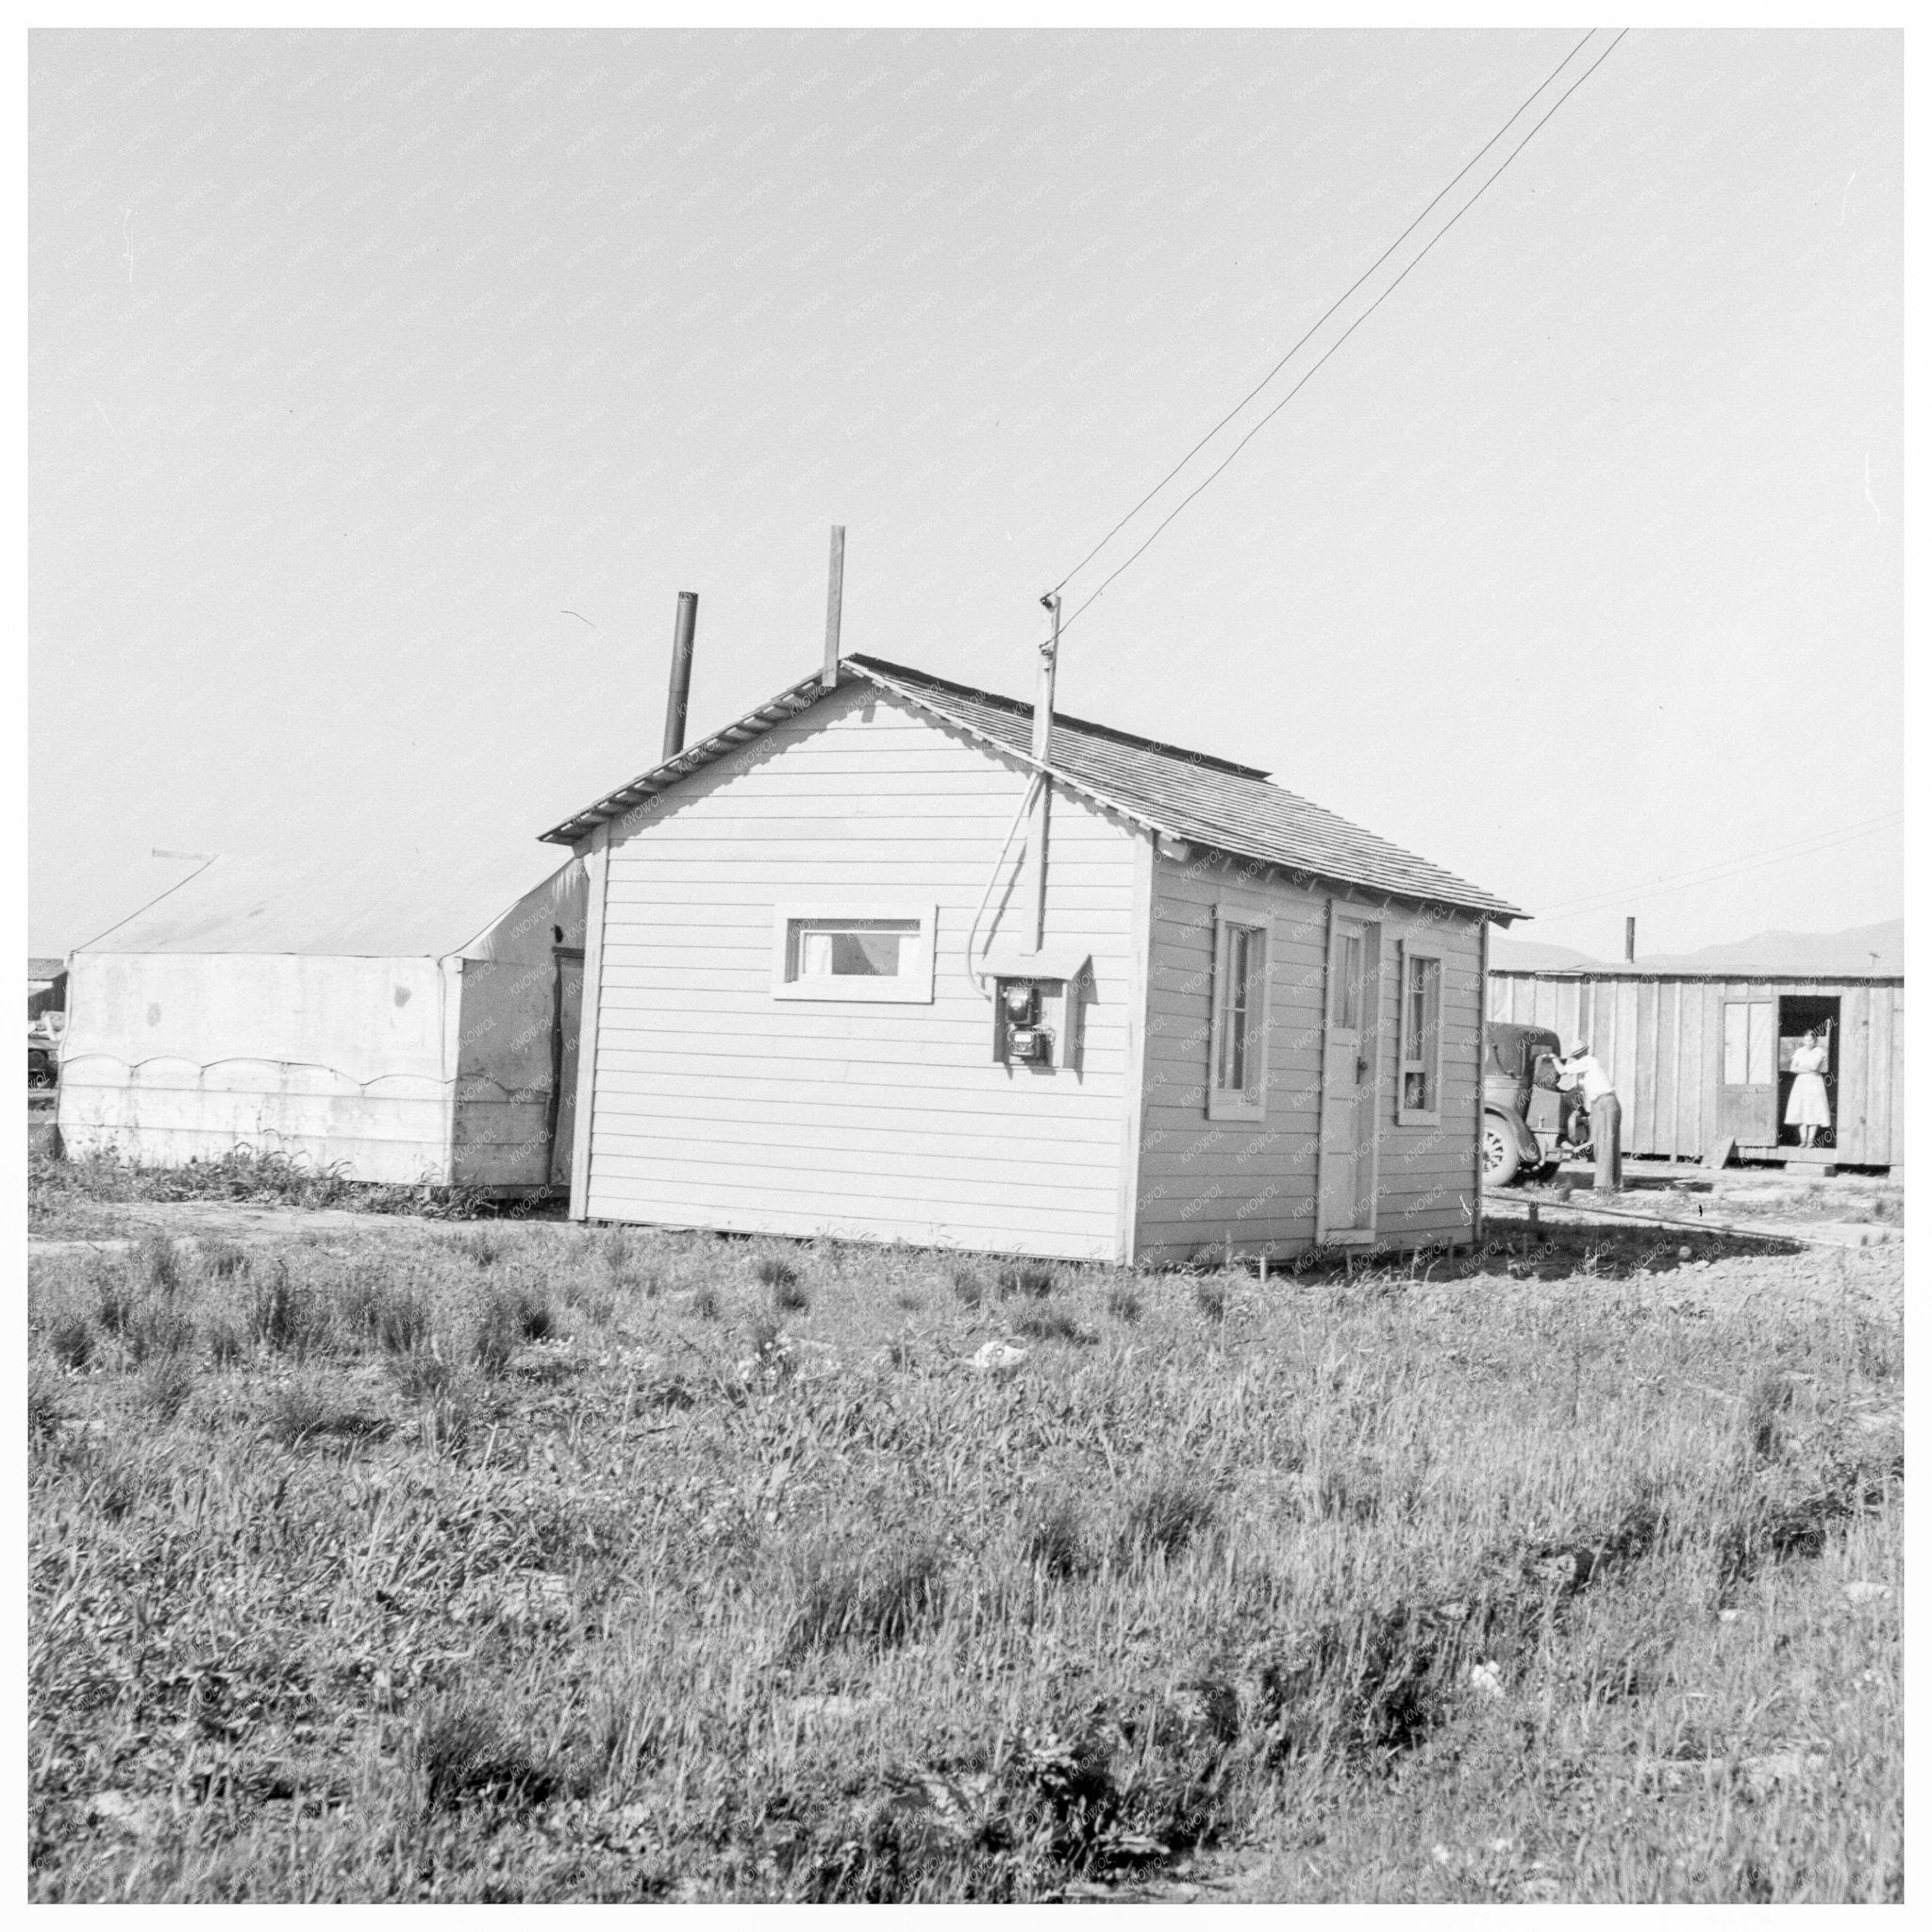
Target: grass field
x=546 y=1562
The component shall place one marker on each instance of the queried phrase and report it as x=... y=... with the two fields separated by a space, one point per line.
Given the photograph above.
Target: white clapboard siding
x=696 y=886
x=837 y=1086
x=733 y=1115
x=1427 y=1186
x=1205 y=1183
x=890 y=1062
x=716 y=1103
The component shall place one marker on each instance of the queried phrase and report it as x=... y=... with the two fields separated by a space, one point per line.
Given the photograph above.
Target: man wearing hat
x=1584 y=1071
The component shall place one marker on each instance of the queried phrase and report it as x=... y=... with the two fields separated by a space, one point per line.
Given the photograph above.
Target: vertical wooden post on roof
x=1629 y=941
x=835 y=609
x=1042 y=756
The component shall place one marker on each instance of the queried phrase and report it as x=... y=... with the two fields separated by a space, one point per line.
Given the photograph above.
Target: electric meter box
x=1036 y=1007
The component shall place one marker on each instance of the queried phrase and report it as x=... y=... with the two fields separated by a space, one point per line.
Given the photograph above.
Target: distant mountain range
x=1879 y=948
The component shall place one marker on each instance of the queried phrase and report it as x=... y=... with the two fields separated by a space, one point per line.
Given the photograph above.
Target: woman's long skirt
x=1809 y=1104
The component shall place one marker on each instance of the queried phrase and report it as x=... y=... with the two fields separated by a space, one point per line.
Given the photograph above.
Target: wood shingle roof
x=1184 y=794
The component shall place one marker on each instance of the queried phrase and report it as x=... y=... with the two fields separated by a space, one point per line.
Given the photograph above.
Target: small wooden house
x=1699 y=1058
x=396 y=1022
x=885 y=960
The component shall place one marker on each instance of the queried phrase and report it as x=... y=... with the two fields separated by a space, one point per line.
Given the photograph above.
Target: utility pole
x=1042 y=756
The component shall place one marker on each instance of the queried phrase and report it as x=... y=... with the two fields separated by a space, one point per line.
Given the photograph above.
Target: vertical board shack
x=1699 y=1058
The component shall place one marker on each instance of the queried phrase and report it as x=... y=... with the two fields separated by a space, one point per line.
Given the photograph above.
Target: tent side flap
x=505 y=1071
x=549 y=915
x=335 y=1062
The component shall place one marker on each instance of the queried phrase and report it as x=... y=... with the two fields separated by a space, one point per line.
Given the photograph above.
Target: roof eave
x=787 y=705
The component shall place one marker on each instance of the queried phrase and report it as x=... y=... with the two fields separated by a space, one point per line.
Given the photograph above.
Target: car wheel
x=1500 y=1156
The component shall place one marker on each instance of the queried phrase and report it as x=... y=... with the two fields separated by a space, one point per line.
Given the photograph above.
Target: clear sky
x=386 y=390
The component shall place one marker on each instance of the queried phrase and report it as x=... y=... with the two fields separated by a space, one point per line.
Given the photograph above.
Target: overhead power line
x=1324 y=315
x=1299 y=386
x=1713 y=874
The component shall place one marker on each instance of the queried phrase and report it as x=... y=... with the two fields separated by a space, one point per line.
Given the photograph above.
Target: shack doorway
x=1797 y=1015
x=566 y=1023
x=1351 y=1083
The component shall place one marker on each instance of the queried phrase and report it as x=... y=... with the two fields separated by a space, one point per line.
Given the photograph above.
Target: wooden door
x=1747 y=1091
x=564 y=1061
x=1346 y=1208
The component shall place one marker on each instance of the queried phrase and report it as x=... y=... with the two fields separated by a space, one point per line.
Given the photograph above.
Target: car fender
x=1513 y=1122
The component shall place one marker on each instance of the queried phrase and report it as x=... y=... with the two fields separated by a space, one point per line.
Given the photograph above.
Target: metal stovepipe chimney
x=679 y=700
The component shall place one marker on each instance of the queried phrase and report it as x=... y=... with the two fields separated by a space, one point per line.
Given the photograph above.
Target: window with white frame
x=1238 y=1066
x=869 y=953
x=1419 y=1095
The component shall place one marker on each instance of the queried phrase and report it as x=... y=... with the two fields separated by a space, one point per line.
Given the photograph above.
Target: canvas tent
x=394 y=1021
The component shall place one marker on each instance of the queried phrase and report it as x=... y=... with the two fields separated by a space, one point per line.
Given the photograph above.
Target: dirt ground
x=1868 y=1281
x=1836 y=1211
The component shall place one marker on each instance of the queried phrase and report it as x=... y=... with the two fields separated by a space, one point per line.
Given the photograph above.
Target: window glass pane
x=1234 y=1059
x=1422 y=1010
x=866 y=954
x=1346 y=1006
x=1243 y=969
x=1737 y=1018
x=1429 y=1026
x=852 y=948
x=1763 y=1045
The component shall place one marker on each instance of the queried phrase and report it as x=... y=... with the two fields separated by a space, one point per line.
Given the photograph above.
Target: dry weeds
x=582 y=1564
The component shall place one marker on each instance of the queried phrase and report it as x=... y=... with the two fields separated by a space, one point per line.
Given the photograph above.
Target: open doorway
x=1797 y=1015
x=567 y=1016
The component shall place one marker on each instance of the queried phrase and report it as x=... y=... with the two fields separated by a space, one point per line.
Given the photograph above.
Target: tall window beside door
x=1750 y=1043
x=1420 y=1098
x=1345 y=994
x=1237 y=1086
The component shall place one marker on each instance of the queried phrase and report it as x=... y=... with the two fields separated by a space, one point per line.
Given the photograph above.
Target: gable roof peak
x=1020 y=708
x=1185 y=794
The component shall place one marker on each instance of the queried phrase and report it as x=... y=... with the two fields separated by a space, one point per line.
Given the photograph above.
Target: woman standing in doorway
x=1809 y=1106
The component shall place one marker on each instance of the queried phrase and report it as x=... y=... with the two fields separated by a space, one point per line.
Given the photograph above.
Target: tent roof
x=377 y=906
x=1186 y=794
